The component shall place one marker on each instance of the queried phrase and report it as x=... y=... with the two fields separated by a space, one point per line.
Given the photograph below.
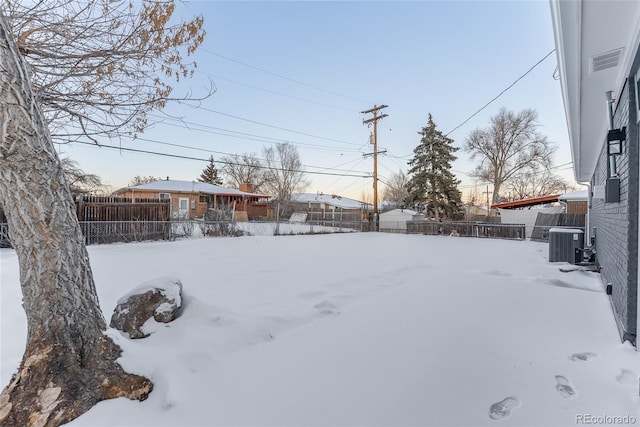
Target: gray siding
x=616 y=224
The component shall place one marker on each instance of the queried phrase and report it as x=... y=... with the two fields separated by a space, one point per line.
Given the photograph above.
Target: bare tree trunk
x=69 y=364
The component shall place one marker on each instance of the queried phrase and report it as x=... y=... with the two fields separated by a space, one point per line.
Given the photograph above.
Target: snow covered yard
x=358 y=329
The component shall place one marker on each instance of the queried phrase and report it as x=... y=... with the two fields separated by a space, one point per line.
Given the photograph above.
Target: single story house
x=328 y=202
x=192 y=199
x=324 y=209
x=598 y=53
x=396 y=220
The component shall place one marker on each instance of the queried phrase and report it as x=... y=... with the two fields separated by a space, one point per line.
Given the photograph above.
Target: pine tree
x=431 y=183
x=210 y=174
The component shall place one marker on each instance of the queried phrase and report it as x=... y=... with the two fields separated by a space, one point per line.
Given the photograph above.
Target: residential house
x=327 y=209
x=192 y=199
x=328 y=202
x=597 y=47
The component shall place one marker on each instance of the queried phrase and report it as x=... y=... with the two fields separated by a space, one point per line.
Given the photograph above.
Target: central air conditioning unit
x=565 y=245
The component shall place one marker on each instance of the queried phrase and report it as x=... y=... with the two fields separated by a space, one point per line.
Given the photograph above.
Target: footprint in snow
x=498 y=273
x=326 y=308
x=564 y=387
x=627 y=377
x=582 y=357
x=502 y=409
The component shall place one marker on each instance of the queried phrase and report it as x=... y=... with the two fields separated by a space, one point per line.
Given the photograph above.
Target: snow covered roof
x=191 y=187
x=574 y=196
x=330 y=199
x=399 y=211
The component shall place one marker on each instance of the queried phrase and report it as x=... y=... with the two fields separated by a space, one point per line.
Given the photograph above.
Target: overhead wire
x=251 y=137
x=501 y=93
x=283 y=77
x=177 y=156
x=281 y=94
x=494 y=98
x=274 y=127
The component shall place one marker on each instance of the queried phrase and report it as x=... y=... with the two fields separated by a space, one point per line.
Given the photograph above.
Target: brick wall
x=616 y=223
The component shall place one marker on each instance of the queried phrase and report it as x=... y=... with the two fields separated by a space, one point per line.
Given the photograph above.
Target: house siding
x=616 y=224
x=196 y=208
x=577 y=207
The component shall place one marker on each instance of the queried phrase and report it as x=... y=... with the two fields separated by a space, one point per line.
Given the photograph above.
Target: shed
x=396 y=220
x=576 y=202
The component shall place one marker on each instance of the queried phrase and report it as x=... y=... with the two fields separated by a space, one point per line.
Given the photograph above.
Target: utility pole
x=368 y=122
x=488 y=205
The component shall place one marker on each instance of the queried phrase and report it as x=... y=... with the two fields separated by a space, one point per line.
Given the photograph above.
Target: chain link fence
x=468 y=229
x=103 y=232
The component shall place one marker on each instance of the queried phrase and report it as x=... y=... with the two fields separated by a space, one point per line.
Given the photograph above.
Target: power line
x=277 y=127
x=283 y=77
x=249 y=136
x=279 y=93
x=492 y=100
x=206 y=150
x=359 y=160
x=177 y=156
x=501 y=93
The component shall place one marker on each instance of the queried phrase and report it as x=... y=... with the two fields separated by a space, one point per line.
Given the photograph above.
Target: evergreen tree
x=210 y=174
x=432 y=187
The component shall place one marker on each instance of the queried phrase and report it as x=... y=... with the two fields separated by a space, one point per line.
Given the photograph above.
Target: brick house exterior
x=192 y=199
x=598 y=51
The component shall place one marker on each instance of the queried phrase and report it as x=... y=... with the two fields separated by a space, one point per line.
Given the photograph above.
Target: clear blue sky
x=311 y=67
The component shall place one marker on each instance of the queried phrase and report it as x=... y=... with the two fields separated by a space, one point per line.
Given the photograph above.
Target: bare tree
x=69 y=363
x=79 y=181
x=510 y=145
x=366 y=198
x=72 y=70
x=139 y=180
x=395 y=191
x=84 y=56
x=283 y=174
x=535 y=181
x=244 y=169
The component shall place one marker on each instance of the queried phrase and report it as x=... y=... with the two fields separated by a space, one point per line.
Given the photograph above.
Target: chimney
x=246 y=187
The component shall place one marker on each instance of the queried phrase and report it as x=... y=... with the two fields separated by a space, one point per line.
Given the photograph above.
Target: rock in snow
x=159 y=299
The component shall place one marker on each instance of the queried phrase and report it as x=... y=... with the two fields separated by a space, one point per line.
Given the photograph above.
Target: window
x=203 y=199
x=164 y=196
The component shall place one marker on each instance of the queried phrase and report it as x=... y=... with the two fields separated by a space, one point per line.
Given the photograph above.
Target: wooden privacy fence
x=94 y=208
x=544 y=222
x=468 y=229
x=115 y=219
x=120 y=219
